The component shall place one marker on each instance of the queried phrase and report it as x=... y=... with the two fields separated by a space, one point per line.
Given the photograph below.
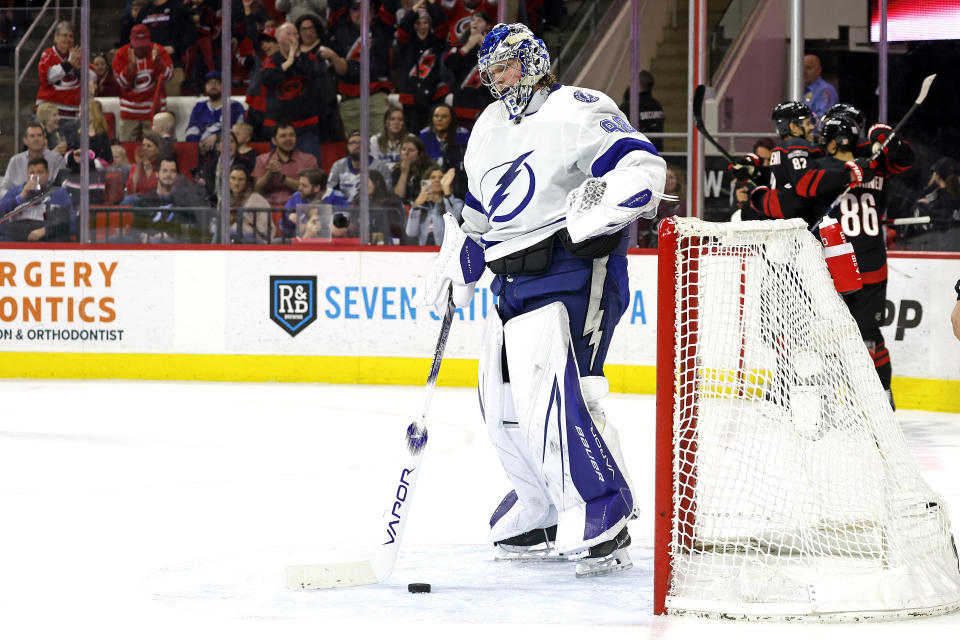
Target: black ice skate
x=606 y=557
x=537 y=544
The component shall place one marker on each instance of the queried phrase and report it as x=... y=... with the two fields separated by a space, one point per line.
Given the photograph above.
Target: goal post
x=784 y=487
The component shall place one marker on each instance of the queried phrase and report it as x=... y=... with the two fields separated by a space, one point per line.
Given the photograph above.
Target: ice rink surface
x=169 y=510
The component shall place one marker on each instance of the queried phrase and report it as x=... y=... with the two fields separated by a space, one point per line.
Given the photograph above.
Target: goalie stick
x=380 y=566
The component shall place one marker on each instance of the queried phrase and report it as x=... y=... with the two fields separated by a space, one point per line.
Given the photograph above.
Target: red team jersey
x=458 y=17
x=142 y=92
x=56 y=86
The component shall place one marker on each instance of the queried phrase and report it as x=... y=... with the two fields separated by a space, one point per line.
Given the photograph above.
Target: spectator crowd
x=297 y=64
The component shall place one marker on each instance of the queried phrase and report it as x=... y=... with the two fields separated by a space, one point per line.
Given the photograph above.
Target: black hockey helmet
x=845 y=110
x=841 y=129
x=787 y=112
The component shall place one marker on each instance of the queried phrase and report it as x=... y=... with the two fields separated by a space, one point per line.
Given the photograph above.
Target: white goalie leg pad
x=532 y=509
x=576 y=468
x=601 y=206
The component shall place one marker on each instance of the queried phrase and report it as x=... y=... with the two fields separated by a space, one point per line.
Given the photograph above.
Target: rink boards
x=345 y=316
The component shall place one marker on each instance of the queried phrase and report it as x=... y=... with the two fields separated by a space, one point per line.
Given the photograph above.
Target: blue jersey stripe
x=616 y=152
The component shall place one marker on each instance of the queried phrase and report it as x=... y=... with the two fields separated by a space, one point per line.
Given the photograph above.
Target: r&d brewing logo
x=293 y=302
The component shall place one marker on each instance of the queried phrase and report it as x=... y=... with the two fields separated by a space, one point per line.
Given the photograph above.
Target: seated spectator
x=73 y=185
x=204 y=126
x=172 y=28
x=36 y=143
x=120 y=161
x=470 y=97
x=208 y=171
x=345 y=172
x=143 y=174
x=420 y=82
x=60 y=72
x=98 y=132
x=442 y=133
x=48 y=116
x=140 y=67
x=105 y=83
x=165 y=125
x=425 y=222
x=385 y=146
x=173 y=209
x=647 y=229
x=942 y=198
x=405 y=176
x=387 y=212
x=243 y=133
x=256 y=225
x=313 y=190
x=277 y=171
x=31 y=224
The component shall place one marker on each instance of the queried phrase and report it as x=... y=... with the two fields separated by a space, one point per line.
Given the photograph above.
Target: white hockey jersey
x=519 y=174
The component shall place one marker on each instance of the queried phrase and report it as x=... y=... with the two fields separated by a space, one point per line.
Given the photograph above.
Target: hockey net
x=785 y=488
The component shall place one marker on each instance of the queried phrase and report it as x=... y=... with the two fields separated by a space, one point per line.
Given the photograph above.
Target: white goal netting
x=794 y=493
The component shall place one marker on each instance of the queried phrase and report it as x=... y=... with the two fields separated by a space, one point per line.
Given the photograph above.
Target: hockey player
x=797 y=187
x=860 y=212
x=555 y=175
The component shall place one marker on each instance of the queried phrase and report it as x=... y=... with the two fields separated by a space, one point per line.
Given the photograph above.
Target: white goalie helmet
x=513 y=42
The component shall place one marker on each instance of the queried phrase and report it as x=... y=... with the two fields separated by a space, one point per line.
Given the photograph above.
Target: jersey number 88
x=854 y=210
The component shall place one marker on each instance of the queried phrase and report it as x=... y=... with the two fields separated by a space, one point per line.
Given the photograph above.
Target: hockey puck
x=418 y=587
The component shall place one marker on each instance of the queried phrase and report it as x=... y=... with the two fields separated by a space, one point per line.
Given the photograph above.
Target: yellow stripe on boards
x=909 y=393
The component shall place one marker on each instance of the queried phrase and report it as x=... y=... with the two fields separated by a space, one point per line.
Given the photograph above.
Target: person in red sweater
x=141 y=68
x=59 y=71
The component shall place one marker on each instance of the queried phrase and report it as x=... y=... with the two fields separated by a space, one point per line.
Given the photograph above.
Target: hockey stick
x=899 y=222
x=54 y=184
x=924 y=89
x=380 y=566
x=698 y=96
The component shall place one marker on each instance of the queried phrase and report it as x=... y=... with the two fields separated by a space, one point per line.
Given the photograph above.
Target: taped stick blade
x=925 y=87
x=331 y=576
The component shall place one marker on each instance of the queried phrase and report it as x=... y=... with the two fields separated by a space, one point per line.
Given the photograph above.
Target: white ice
x=169 y=510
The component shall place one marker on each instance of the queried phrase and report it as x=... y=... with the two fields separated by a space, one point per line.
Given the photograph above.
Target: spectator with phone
x=425 y=221
x=37 y=197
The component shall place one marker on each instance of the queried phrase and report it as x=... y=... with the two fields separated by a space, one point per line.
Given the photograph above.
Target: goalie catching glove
x=459 y=263
x=601 y=206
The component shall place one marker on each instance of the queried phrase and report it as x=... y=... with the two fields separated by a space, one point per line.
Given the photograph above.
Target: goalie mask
x=506 y=49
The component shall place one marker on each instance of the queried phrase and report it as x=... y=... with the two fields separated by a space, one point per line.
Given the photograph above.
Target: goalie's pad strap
x=574 y=463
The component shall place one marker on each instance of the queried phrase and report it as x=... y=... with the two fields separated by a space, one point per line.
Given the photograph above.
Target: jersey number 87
x=853 y=210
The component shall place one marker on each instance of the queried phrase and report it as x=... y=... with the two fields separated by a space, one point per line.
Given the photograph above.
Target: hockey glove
x=460 y=262
x=897 y=156
x=745 y=167
x=862 y=170
x=601 y=206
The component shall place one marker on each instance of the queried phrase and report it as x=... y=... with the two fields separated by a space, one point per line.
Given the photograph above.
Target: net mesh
x=794 y=491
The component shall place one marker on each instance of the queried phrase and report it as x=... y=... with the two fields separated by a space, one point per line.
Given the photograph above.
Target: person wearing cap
x=204 y=125
x=172 y=28
x=59 y=71
x=420 y=84
x=141 y=68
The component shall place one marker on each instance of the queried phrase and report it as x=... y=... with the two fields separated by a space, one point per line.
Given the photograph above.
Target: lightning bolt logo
x=505 y=181
x=594 y=318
